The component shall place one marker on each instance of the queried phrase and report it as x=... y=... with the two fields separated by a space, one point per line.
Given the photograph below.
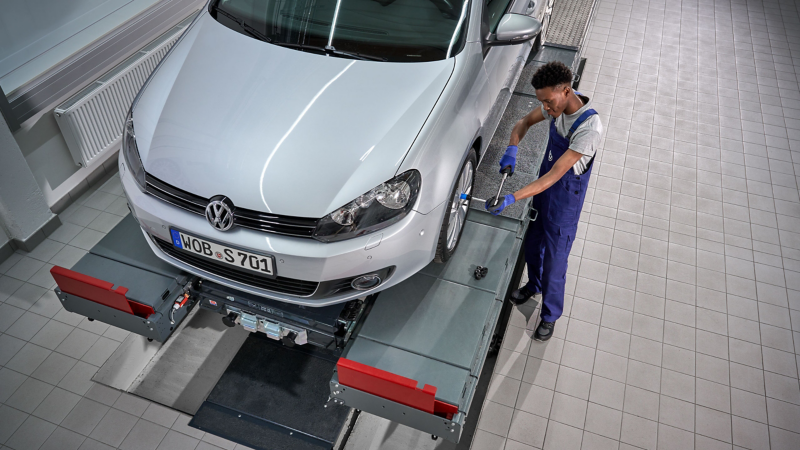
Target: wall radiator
x=91 y=121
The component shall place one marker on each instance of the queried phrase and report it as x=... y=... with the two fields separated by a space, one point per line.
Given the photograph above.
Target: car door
x=500 y=63
x=500 y=60
x=497 y=60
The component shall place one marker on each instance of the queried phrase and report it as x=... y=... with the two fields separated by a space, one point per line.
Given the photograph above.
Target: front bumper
x=408 y=245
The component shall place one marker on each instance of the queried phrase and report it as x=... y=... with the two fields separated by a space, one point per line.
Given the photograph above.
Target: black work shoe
x=544 y=331
x=521 y=295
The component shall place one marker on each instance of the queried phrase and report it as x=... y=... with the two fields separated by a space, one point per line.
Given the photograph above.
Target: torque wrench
x=506 y=171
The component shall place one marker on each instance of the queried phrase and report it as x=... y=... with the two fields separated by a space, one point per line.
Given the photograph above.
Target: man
x=575 y=132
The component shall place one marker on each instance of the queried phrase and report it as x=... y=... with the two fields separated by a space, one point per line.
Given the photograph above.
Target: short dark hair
x=551 y=74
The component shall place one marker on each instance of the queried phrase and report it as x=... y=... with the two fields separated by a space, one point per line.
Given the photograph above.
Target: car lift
x=412 y=354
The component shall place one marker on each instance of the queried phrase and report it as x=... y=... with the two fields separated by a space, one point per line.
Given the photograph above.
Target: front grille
x=247 y=218
x=279 y=284
x=290 y=226
x=175 y=196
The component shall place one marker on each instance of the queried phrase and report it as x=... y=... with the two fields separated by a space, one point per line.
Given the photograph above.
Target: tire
x=456 y=214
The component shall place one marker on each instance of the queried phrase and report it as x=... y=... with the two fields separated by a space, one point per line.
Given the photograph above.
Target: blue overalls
x=551 y=235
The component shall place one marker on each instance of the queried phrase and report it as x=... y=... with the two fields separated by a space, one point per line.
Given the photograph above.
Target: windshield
x=389 y=30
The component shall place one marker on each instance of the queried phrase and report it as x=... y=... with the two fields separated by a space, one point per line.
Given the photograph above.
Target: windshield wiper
x=331 y=51
x=247 y=28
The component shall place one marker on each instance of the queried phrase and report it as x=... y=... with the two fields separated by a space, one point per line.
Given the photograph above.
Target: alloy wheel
x=459 y=206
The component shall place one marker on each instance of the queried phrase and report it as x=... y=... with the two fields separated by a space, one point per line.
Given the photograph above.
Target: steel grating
x=569 y=21
x=531 y=151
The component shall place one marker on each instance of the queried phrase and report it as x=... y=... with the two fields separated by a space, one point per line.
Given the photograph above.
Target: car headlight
x=379 y=208
x=131 y=152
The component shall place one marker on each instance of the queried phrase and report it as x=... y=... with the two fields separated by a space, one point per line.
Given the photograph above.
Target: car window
x=391 y=30
x=495 y=9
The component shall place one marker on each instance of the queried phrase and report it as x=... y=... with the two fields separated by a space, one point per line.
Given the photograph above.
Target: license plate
x=263 y=264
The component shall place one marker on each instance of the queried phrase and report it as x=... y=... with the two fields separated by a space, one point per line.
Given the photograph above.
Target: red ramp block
x=98 y=291
x=392 y=387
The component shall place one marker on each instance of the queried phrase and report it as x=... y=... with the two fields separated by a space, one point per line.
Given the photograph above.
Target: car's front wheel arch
x=456 y=209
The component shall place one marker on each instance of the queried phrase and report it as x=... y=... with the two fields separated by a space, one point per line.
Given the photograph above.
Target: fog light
x=365 y=282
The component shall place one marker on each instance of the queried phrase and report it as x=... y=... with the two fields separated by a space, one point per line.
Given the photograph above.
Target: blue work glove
x=508 y=200
x=509 y=159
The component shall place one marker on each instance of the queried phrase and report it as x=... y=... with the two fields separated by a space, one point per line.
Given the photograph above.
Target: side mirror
x=515 y=29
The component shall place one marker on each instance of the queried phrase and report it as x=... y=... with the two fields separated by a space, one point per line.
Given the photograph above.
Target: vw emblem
x=219 y=213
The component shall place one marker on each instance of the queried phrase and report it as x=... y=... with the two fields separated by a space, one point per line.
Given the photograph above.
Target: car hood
x=276 y=129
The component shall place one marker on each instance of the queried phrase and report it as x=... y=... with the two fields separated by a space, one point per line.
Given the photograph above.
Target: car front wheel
x=456 y=214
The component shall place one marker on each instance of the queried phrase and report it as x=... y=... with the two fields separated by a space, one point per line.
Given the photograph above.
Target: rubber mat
x=273 y=397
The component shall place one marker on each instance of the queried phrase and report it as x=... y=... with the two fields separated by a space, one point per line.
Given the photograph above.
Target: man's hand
x=509 y=159
x=508 y=200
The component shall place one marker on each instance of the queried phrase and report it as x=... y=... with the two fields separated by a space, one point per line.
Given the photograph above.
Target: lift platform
x=412 y=354
x=415 y=356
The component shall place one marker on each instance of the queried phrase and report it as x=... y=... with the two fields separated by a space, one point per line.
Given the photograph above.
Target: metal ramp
x=569 y=22
x=566 y=34
x=432 y=334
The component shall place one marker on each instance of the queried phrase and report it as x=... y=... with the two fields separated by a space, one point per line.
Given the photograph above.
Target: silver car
x=315 y=151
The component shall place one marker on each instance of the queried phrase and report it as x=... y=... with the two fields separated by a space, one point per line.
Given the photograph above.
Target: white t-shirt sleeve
x=586 y=138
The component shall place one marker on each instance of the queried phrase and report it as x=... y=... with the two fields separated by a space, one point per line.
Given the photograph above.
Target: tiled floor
x=683 y=327
x=683 y=324
x=48 y=355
